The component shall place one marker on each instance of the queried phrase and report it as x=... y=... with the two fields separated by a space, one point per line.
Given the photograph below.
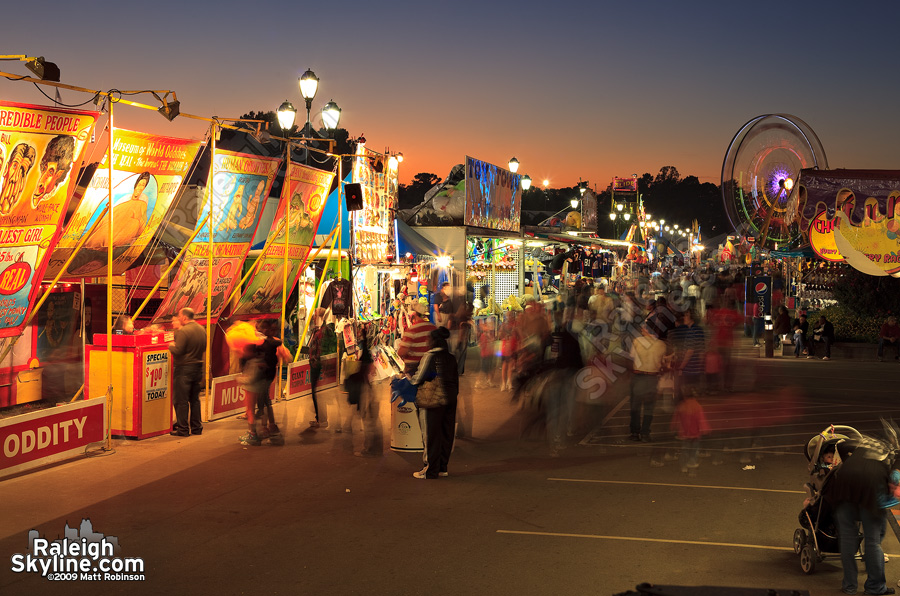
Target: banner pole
x=287 y=236
x=209 y=265
x=56 y=279
x=168 y=270
x=109 y=292
x=239 y=286
x=310 y=315
x=341 y=221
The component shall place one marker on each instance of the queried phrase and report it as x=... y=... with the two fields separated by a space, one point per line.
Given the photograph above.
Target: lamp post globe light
x=574 y=203
x=286 y=115
x=612 y=216
x=309 y=85
x=526 y=182
x=513 y=165
x=331 y=115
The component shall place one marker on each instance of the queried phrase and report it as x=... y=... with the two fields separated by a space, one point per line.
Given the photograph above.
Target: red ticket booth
x=141 y=380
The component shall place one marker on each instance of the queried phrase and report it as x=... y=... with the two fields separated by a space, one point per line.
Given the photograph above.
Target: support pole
x=45 y=295
x=171 y=266
x=309 y=315
x=209 y=263
x=285 y=193
x=109 y=297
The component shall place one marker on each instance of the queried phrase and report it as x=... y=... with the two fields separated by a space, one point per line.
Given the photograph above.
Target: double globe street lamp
x=287 y=114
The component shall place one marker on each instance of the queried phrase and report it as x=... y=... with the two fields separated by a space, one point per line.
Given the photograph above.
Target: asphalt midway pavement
x=207 y=515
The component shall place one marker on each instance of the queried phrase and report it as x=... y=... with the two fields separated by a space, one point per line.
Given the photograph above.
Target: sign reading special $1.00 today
x=156 y=375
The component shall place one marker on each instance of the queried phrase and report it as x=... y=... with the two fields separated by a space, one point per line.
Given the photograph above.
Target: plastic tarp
x=410 y=241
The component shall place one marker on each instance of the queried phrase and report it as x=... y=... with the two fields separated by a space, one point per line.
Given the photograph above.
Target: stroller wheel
x=799 y=540
x=807 y=559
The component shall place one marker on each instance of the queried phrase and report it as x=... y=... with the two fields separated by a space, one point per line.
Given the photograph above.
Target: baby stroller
x=817 y=534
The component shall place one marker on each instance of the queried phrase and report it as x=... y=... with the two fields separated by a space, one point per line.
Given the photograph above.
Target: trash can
x=406 y=434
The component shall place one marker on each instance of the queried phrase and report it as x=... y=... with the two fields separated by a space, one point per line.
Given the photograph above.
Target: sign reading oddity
x=493 y=196
x=241 y=185
x=147 y=172
x=36 y=439
x=41 y=150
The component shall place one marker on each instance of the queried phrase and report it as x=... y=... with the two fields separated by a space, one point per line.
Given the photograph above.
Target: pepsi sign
x=762 y=294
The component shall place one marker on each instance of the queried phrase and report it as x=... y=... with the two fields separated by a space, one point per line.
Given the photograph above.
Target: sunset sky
x=572 y=89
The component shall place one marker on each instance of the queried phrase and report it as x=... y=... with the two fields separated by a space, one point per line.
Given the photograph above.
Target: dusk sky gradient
x=572 y=89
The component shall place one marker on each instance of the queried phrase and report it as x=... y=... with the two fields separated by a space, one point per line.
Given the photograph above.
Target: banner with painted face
x=41 y=150
x=147 y=172
x=493 y=196
x=308 y=190
x=240 y=187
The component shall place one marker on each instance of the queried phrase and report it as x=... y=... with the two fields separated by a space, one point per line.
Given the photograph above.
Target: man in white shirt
x=647 y=353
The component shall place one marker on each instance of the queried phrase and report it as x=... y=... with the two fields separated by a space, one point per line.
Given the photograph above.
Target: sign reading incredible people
x=41 y=149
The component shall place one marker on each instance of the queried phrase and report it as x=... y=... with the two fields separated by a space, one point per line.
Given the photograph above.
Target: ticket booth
x=141 y=380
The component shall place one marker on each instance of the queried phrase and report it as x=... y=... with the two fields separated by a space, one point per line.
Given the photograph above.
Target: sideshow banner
x=372 y=225
x=41 y=149
x=147 y=173
x=308 y=190
x=861 y=209
x=240 y=186
x=493 y=196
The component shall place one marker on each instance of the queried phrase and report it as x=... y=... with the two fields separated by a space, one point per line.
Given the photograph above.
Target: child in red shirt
x=690 y=424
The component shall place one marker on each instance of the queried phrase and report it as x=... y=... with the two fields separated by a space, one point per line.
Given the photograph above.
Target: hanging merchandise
x=350 y=346
x=337 y=298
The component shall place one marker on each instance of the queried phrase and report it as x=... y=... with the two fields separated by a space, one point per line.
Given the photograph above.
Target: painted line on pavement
x=659 y=540
x=764 y=490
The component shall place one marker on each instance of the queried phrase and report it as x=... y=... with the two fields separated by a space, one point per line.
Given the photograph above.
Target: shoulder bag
x=431 y=394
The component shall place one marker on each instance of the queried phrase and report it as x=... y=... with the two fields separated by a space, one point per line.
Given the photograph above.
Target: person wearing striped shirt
x=689 y=342
x=416 y=339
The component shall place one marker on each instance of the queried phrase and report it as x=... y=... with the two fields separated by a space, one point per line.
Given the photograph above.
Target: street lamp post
x=309 y=85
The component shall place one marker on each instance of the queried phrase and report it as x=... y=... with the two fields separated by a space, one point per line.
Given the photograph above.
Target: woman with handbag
x=438 y=381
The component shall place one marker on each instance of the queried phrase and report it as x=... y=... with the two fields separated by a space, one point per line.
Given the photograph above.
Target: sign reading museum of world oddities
x=147 y=172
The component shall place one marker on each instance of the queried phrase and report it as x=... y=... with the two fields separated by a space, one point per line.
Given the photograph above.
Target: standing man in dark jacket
x=187 y=350
x=857 y=491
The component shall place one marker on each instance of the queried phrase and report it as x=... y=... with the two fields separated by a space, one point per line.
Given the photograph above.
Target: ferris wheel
x=761 y=169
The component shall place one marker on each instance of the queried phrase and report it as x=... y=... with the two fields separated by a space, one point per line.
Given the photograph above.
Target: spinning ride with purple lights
x=760 y=169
